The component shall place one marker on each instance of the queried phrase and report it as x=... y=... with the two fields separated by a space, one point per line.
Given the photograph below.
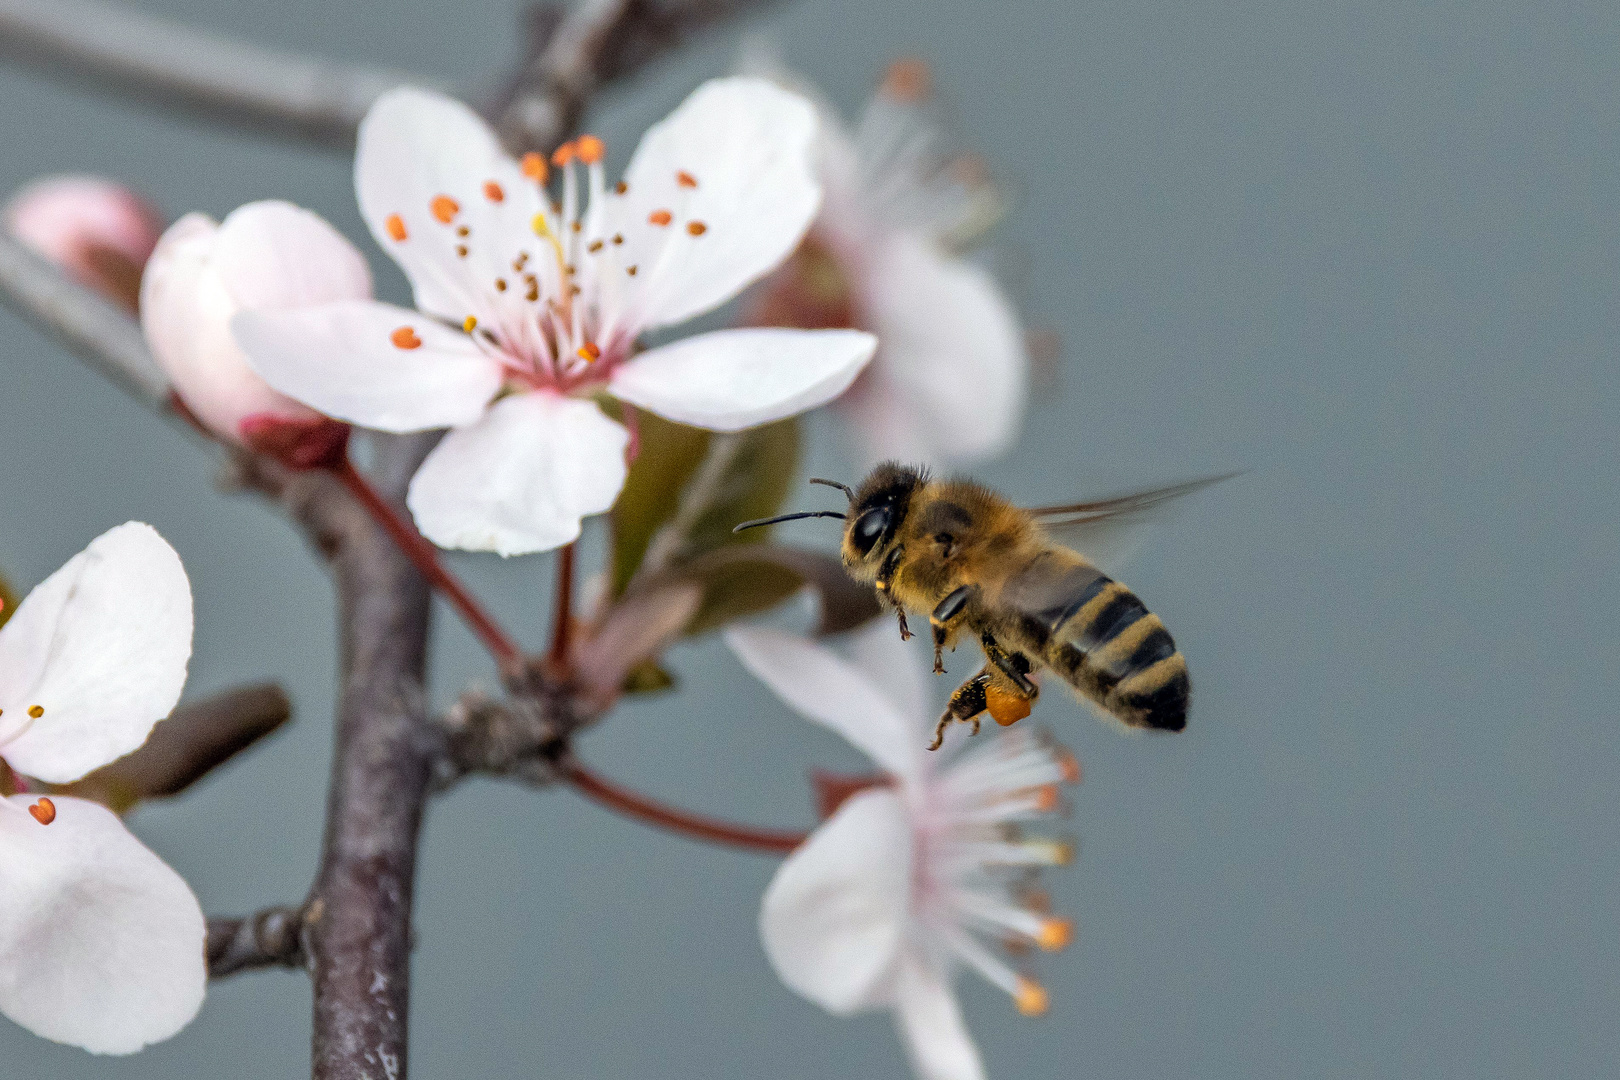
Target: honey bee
x=981 y=567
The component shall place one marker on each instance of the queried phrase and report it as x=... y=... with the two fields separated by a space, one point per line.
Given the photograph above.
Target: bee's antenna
x=848 y=494
x=788 y=517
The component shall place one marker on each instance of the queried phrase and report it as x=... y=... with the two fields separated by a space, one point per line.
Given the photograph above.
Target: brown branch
x=179 y=67
x=273 y=937
x=674 y=819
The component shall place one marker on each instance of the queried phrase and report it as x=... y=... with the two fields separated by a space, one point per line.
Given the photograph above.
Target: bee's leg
x=886 y=572
x=966 y=704
x=1015 y=666
x=905 y=631
x=945 y=614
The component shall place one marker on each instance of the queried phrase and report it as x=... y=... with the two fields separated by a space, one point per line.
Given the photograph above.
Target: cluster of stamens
x=560 y=309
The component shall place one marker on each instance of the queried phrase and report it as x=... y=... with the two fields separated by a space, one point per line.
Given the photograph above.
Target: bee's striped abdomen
x=1103 y=641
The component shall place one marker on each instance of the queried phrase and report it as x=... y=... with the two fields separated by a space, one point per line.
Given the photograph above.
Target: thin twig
x=177 y=66
x=562 y=625
x=695 y=826
x=273 y=937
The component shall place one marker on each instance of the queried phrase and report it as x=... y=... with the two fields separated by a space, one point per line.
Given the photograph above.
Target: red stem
x=563 y=619
x=425 y=557
x=628 y=803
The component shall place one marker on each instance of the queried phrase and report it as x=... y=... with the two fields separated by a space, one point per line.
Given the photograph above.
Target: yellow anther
x=36 y=711
x=1055 y=934
x=469 y=323
x=589 y=352
x=1031 y=999
x=538 y=224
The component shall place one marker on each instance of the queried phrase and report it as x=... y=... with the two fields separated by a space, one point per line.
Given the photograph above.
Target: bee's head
x=875 y=513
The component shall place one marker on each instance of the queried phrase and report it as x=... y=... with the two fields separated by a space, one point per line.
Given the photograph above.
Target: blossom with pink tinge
x=530 y=310
x=265 y=256
x=949 y=382
x=101 y=943
x=918 y=877
x=99 y=232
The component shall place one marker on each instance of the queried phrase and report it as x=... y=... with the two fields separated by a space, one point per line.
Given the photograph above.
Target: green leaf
x=688 y=487
x=746 y=580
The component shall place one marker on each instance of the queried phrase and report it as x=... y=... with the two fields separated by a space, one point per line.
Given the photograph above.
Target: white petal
x=930 y=1023
x=341 y=359
x=273 y=254
x=834 y=917
x=520 y=479
x=952 y=369
x=822 y=686
x=415 y=146
x=734 y=379
x=101 y=943
x=185 y=313
x=101 y=645
x=898 y=668
x=750 y=147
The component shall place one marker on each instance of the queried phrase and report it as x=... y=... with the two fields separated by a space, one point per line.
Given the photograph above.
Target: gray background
x=1368 y=254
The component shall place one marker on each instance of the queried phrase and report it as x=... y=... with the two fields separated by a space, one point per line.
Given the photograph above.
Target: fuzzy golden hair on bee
x=983 y=568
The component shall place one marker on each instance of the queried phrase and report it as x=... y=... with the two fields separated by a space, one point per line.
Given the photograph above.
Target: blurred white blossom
x=906 y=880
x=529 y=309
x=265 y=256
x=950 y=378
x=101 y=943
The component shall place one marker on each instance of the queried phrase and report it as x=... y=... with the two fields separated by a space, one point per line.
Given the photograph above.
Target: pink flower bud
x=264 y=256
x=97 y=231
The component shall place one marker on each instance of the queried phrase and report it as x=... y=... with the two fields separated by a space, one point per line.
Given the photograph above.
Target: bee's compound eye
x=869 y=528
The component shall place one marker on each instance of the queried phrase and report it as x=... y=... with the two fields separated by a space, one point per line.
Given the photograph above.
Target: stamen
x=660 y=217
x=395 y=226
x=594 y=247
x=1055 y=934
x=576 y=226
x=631 y=270
x=534 y=167
x=538 y=224
x=1070 y=766
x=563 y=156
x=1047 y=798
x=493 y=192
x=43 y=811
x=620 y=188
x=461 y=250
x=403 y=338
x=589 y=148
x=696 y=228
x=1031 y=998
x=618 y=238
x=589 y=352
x=500 y=284
x=685 y=179
x=36 y=711
x=462 y=230
x=469 y=324
x=444 y=208
x=908 y=80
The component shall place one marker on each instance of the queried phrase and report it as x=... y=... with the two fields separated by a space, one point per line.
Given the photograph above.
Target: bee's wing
x=1107 y=531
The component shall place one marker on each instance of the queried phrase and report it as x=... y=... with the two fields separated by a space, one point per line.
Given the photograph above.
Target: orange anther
x=620 y=188
x=660 y=217
x=589 y=148
x=1031 y=999
x=1047 y=798
x=589 y=352
x=444 y=208
x=493 y=192
x=44 y=811
x=534 y=167
x=908 y=80
x=1055 y=934
x=696 y=228
x=405 y=338
x=563 y=156
x=1005 y=706
x=1070 y=766
x=395 y=226
x=685 y=179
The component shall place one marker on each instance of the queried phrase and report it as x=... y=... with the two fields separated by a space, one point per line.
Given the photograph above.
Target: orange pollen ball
x=589 y=352
x=395 y=226
x=685 y=179
x=44 y=811
x=493 y=192
x=1006 y=707
x=1031 y=999
x=590 y=149
x=1055 y=934
x=534 y=167
x=660 y=217
x=908 y=80
x=563 y=156
x=405 y=338
x=696 y=228
x=444 y=208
